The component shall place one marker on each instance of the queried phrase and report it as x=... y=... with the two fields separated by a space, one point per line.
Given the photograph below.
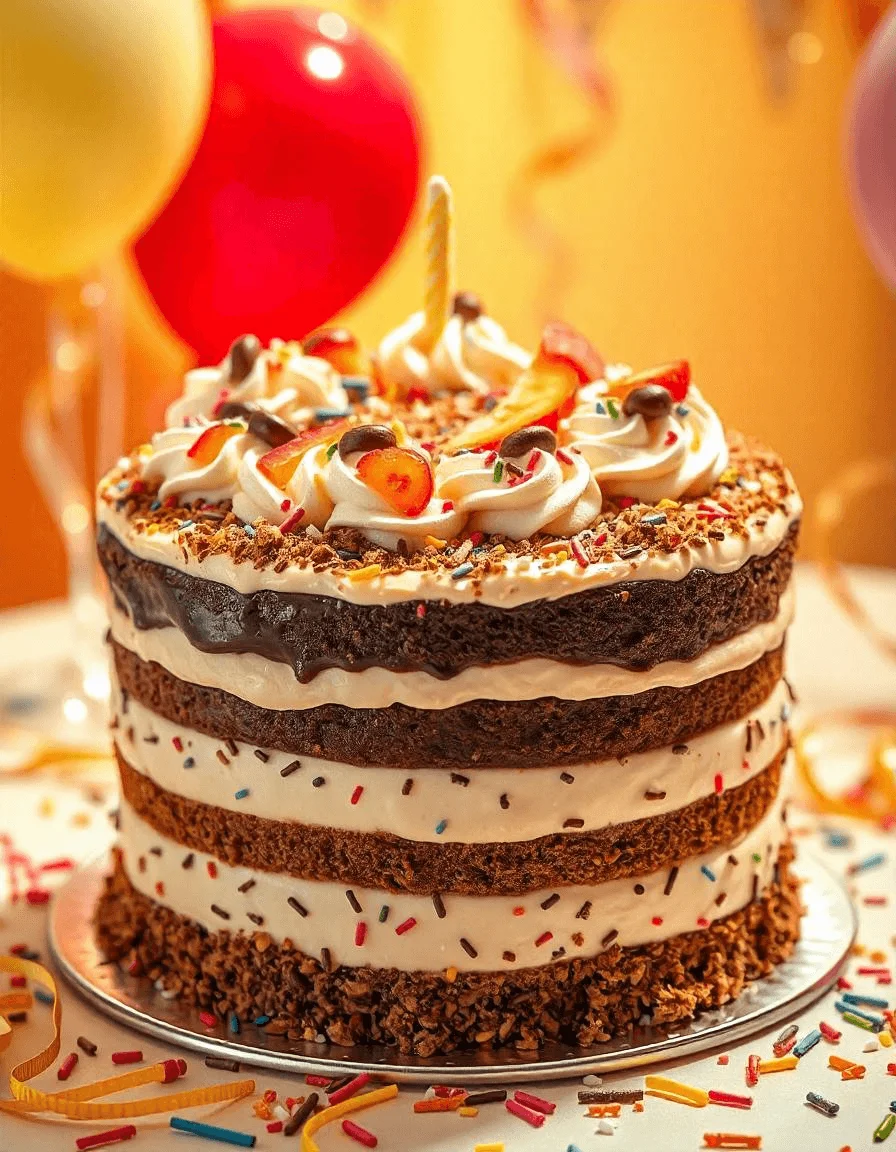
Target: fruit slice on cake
x=564 y=360
x=280 y=464
x=401 y=476
x=210 y=441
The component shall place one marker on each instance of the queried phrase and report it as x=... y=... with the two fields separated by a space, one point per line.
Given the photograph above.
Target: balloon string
x=571 y=44
x=76 y=1103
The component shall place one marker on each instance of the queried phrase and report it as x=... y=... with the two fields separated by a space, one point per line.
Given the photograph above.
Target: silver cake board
x=828 y=933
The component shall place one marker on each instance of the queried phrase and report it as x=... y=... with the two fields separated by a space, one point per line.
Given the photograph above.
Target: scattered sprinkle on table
x=103 y=1139
x=535 y=1119
x=133 y=1057
x=87 y=1046
x=299 y=1117
x=67 y=1066
x=666 y=1089
x=783 y=1064
x=356 y=1132
x=211 y=1132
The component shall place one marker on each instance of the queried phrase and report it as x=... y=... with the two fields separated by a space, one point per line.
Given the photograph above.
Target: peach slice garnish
x=210 y=441
x=401 y=476
x=674 y=377
x=280 y=463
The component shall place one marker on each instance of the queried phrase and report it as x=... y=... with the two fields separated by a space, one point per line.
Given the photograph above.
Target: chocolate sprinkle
x=326 y=960
x=290 y=768
x=490 y=1096
x=574 y=822
x=298 y=1118
x=222 y=1063
x=87 y=1046
x=639 y=889
x=255 y=918
x=247 y=885
x=318 y=782
x=439 y=905
x=551 y=901
x=679 y=749
x=585 y=911
x=232 y=746
x=610 y=1095
x=609 y=938
x=262 y=756
x=353 y=900
x=468 y=948
x=219 y=911
x=505 y=803
x=407 y=786
x=673 y=876
x=567 y=778
x=457 y=778
x=296 y=906
x=510 y=957
x=188 y=860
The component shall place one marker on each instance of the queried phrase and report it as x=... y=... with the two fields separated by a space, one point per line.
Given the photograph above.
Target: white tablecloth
x=831 y=665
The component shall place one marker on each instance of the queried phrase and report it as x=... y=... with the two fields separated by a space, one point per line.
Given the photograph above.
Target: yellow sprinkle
x=886 y=1040
x=450 y=975
x=838 y=1063
x=784 y=1064
x=858 y=949
x=562 y=555
x=488 y=1148
x=366 y=573
x=468 y=1111
x=667 y=503
x=81 y=819
x=355 y=1104
x=668 y=1089
x=696 y=441
x=46 y=807
x=877 y=956
x=729 y=476
x=499 y=549
x=435 y=542
x=151 y=529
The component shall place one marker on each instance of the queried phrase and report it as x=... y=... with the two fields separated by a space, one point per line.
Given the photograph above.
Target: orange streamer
x=77 y=1103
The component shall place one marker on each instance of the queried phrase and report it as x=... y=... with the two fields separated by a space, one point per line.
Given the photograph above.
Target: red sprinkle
x=275 y=1126
x=730 y=1099
x=536 y=1119
x=127 y=1057
x=356 y=795
x=318 y=1081
x=160 y=888
x=63 y=864
x=349 y=1090
x=719 y=783
x=753 y=1063
x=17 y=981
x=212 y=869
x=18 y=949
x=891 y=1069
x=656 y=921
x=292 y=520
x=626 y=501
x=543 y=939
x=870 y=971
x=563 y=457
x=671 y=438
x=702 y=922
x=284 y=507
x=101 y=1139
x=843 y=984
x=519 y=910
x=447 y=505
x=350 y=1128
x=405 y=926
x=875 y=901
x=533 y=460
x=421 y=610
x=269 y=1096
x=178 y=743
x=829 y=1033
x=360 y=933
x=37 y=896
x=209 y=1020
x=445 y=1093
x=67 y=1066
x=536 y=1103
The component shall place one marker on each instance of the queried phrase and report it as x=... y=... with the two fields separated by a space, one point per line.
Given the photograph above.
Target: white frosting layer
x=467 y=806
x=273 y=685
x=684 y=452
x=475 y=355
x=523 y=580
x=495 y=927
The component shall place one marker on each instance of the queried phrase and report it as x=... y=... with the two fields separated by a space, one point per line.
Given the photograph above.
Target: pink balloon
x=872 y=147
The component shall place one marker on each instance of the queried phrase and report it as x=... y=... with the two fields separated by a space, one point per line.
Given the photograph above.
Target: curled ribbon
x=874 y=798
x=77 y=1103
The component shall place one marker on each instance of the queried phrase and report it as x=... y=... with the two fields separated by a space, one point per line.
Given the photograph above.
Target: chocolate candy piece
x=235 y=410
x=366 y=438
x=468 y=306
x=243 y=354
x=653 y=401
x=270 y=428
x=521 y=442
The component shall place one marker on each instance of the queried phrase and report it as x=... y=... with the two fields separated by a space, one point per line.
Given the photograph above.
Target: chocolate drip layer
x=633 y=625
x=581 y=1001
x=381 y=860
x=486 y=733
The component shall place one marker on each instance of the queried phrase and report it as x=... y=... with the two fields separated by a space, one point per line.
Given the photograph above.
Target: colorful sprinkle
x=102 y=1139
x=356 y=1132
x=136 y=1056
x=536 y=1119
x=241 y=794
x=441 y=826
x=405 y=926
x=211 y=1132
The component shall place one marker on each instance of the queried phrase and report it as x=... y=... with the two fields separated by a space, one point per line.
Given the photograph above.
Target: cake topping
x=242 y=356
x=526 y=440
x=468 y=306
x=366 y=438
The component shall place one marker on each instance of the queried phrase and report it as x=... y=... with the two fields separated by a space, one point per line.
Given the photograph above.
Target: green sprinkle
x=883 y=1130
x=331 y=450
x=384 y=913
x=498 y=472
x=613 y=408
x=757 y=858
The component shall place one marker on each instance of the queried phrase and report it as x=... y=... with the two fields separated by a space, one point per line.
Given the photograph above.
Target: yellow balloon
x=101 y=106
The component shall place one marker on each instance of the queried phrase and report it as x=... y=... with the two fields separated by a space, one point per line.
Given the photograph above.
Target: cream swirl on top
x=186 y=478
x=546 y=493
x=472 y=354
x=280 y=379
x=680 y=453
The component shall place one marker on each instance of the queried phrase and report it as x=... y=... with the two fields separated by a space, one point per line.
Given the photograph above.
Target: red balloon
x=301 y=187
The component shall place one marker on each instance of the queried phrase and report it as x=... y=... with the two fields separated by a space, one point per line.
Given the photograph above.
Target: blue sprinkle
x=234 y=1023
x=122 y=484
x=187 y=524
x=836 y=839
x=874 y=861
x=155 y=506
x=241 y=794
x=358 y=385
x=785 y=712
x=893 y=1105
x=189 y=762
x=600 y=409
x=876 y=1022
x=441 y=826
x=573 y=1148
x=262 y=1020
x=654 y=518
x=462 y=570
x=43 y=996
x=248 y=529
x=708 y=872
x=807 y=1042
x=211 y=1132
x=489 y=403
x=329 y=413
x=681 y=410
x=864 y=1001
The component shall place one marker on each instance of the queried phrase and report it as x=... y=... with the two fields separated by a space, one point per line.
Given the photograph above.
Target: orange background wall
x=714 y=224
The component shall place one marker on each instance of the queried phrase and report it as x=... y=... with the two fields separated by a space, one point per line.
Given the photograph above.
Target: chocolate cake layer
x=634 y=625
x=487 y=733
x=582 y=1001
x=389 y=862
